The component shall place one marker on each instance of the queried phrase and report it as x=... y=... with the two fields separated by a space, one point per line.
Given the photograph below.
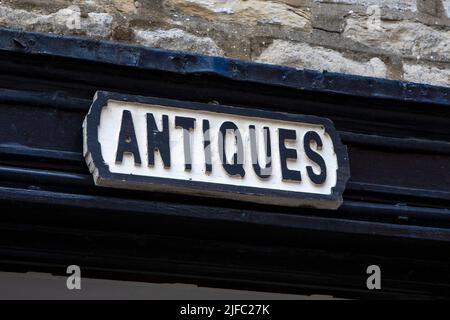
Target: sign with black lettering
x=161 y=145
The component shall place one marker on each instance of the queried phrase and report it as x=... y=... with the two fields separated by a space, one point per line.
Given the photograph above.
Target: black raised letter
x=127 y=139
x=286 y=153
x=207 y=146
x=267 y=170
x=314 y=156
x=187 y=124
x=158 y=140
x=237 y=166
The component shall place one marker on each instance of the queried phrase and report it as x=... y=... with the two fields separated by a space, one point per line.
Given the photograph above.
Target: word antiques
x=214 y=149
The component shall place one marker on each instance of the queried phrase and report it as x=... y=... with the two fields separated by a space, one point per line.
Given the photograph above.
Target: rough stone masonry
x=395 y=39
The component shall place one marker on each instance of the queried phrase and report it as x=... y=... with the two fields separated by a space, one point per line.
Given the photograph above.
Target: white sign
x=162 y=145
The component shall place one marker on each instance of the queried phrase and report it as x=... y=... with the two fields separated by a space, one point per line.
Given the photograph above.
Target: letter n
x=158 y=140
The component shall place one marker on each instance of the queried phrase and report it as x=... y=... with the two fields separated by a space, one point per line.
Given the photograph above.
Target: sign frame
x=105 y=178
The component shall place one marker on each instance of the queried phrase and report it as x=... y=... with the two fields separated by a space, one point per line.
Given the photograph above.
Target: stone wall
x=396 y=39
